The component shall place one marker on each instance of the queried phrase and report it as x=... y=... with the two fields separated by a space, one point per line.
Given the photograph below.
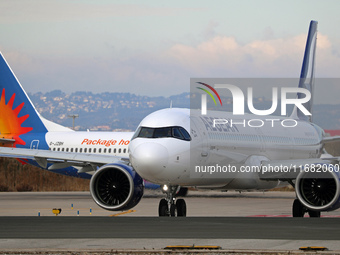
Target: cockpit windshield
x=175 y=132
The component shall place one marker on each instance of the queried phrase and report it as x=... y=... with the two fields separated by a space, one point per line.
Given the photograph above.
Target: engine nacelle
x=319 y=191
x=116 y=187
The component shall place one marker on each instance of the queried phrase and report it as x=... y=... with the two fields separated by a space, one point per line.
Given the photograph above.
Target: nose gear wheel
x=169 y=207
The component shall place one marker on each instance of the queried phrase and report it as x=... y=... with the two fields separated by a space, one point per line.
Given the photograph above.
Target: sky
x=153 y=48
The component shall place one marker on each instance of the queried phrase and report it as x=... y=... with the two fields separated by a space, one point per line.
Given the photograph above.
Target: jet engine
x=116 y=187
x=319 y=190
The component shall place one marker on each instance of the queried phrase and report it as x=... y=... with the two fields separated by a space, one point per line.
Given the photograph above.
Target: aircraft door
x=200 y=139
x=34 y=144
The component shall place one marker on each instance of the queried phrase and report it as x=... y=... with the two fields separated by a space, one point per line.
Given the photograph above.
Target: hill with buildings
x=124 y=111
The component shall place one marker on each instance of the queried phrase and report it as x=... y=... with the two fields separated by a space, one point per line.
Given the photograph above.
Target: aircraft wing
x=6 y=141
x=331 y=139
x=289 y=169
x=62 y=159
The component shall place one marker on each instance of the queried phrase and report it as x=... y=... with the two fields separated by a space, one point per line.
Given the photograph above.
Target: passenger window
x=99 y=150
x=71 y=149
x=105 y=150
x=90 y=150
x=80 y=150
x=110 y=150
x=76 y=150
x=124 y=151
x=85 y=150
x=94 y=150
x=120 y=150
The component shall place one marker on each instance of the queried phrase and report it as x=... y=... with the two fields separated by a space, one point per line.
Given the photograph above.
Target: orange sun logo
x=10 y=123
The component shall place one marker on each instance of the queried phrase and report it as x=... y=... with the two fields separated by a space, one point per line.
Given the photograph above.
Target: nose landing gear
x=168 y=206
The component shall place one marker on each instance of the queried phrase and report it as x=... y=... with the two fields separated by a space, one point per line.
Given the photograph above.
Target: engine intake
x=116 y=187
x=319 y=191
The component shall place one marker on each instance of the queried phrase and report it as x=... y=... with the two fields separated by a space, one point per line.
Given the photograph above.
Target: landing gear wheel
x=314 y=214
x=298 y=209
x=163 y=208
x=169 y=206
x=173 y=210
x=181 y=208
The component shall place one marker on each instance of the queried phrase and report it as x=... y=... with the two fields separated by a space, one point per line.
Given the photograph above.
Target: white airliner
x=182 y=147
x=174 y=148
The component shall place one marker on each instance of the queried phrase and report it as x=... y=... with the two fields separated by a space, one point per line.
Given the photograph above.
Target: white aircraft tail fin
x=307 y=73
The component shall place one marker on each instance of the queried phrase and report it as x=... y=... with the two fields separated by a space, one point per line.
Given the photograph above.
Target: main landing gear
x=169 y=206
x=299 y=210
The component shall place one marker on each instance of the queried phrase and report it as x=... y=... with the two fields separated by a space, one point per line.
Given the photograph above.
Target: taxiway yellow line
x=117 y=214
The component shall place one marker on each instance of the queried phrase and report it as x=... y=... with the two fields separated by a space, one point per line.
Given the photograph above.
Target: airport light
x=73 y=116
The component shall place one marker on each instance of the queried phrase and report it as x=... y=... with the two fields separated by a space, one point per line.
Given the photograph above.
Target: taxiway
x=249 y=221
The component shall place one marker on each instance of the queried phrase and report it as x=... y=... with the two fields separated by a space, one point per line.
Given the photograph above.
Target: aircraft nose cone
x=149 y=159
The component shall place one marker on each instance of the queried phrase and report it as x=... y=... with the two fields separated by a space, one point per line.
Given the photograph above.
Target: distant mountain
x=103 y=111
x=124 y=111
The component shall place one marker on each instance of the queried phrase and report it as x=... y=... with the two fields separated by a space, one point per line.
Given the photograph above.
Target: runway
x=199 y=204
x=230 y=220
x=155 y=227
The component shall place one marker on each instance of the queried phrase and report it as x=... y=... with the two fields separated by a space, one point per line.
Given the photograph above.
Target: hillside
x=124 y=111
x=17 y=177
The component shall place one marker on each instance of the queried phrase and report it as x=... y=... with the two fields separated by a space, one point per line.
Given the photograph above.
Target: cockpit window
x=146 y=132
x=185 y=134
x=162 y=132
x=175 y=132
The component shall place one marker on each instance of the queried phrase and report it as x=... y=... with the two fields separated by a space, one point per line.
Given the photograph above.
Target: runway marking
x=118 y=214
x=285 y=216
x=193 y=247
x=268 y=215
